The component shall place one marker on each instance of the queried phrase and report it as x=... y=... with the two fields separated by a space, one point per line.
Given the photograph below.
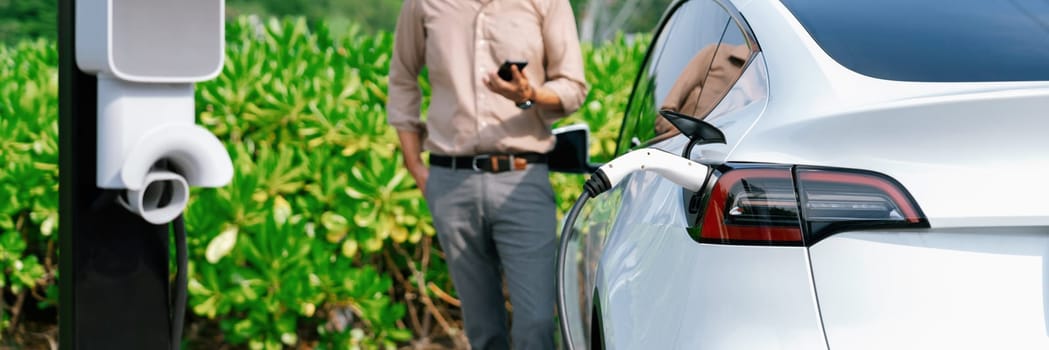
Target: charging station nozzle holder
x=147 y=54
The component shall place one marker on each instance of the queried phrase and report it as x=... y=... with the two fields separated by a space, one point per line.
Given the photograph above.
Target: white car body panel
x=941 y=289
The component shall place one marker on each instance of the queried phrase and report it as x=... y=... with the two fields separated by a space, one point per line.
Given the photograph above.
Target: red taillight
x=835 y=200
x=753 y=206
x=761 y=205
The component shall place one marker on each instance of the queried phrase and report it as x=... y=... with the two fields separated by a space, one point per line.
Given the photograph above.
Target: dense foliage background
x=599 y=19
x=321 y=241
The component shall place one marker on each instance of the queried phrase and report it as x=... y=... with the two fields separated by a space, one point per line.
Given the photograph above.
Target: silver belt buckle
x=473 y=162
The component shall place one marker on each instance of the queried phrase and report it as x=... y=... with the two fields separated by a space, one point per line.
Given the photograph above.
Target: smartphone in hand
x=504 y=70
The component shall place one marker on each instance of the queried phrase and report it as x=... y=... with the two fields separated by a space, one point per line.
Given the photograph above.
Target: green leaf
x=307 y=309
x=337 y=226
x=196 y=288
x=221 y=245
x=245 y=326
x=289 y=338
x=11 y=245
x=349 y=248
x=47 y=227
x=208 y=307
x=281 y=210
x=400 y=334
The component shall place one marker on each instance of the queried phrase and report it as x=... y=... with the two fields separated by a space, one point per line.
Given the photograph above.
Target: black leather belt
x=494 y=163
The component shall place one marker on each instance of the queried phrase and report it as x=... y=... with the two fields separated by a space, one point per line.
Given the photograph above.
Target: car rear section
x=919 y=167
x=924 y=220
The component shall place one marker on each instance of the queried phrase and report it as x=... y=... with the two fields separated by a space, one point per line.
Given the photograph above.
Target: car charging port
x=683 y=172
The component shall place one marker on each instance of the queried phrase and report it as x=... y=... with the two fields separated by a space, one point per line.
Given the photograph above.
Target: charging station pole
x=113 y=265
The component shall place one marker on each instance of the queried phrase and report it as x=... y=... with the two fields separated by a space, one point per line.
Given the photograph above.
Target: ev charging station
x=129 y=151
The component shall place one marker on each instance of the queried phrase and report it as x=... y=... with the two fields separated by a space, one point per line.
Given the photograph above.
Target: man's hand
x=518 y=89
x=420 y=173
x=411 y=148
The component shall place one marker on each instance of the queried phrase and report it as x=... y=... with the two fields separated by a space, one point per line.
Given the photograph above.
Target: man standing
x=487 y=185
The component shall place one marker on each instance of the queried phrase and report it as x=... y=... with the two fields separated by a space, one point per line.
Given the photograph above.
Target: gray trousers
x=492 y=223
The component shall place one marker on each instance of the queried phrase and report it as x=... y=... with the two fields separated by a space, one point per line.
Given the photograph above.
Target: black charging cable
x=178 y=307
x=562 y=262
x=597 y=184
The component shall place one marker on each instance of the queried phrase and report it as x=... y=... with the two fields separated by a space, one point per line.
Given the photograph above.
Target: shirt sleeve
x=404 y=96
x=564 y=60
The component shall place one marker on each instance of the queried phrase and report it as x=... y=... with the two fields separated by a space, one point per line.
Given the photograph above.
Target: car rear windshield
x=932 y=40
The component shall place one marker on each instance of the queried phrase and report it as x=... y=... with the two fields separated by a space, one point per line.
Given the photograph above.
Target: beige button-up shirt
x=460 y=42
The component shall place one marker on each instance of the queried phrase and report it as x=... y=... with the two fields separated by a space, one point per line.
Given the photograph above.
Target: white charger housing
x=147 y=54
x=151 y=41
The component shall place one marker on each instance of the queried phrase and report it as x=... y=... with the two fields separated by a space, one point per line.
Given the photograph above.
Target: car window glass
x=932 y=40
x=749 y=86
x=698 y=61
x=643 y=87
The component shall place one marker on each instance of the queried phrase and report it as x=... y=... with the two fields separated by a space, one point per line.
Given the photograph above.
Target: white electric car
x=883 y=183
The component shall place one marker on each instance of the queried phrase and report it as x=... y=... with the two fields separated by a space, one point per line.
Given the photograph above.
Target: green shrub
x=322 y=239
x=28 y=176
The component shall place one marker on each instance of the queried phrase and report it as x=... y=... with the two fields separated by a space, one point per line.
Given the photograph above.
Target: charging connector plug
x=684 y=172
